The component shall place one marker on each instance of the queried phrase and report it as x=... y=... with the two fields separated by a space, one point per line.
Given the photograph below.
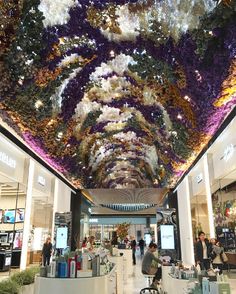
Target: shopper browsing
x=218 y=256
x=147 y=262
x=203 y=249
x=47 y=251
x=90 y=243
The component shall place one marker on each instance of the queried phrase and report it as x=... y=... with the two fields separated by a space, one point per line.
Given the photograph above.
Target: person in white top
x=203 y=249
x=90 y=243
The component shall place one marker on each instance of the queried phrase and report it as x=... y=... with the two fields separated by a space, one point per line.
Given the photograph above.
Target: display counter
x=231 y=259
x=16 y=255
x=172 y=285
x=103 y=284
x=5 y=260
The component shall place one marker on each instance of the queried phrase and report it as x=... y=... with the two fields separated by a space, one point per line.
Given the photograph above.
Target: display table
x=171 y=285
x=93 y=285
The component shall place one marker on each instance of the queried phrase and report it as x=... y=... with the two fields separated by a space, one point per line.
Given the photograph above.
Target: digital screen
x=9 y=215
x=7 y=261
x=20 y=215
x=167 y=237
x=61 y=239
x=3 y=237
x=18 y=240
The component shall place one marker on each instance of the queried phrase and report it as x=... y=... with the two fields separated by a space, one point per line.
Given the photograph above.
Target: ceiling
x=125 y=201
x=117 y=94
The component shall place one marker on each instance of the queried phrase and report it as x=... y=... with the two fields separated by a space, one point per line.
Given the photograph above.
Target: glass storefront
x=13 y=187
x=41 y=219
x=24 y=228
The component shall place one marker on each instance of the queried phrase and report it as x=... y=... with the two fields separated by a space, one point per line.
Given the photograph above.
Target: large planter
x=28 y=289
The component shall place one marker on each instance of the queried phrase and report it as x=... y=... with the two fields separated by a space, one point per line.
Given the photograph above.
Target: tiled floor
x=137 y=281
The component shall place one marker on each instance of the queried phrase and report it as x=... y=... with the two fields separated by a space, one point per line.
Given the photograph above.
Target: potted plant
x=25 y=280
x=9 y=286
x=122 y=231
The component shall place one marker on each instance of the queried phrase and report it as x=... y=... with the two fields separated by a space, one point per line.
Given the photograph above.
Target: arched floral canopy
x=117 y=94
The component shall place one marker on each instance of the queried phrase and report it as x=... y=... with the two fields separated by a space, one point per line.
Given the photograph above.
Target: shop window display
x=224 y=207
x=41 y=223
x=12 y=209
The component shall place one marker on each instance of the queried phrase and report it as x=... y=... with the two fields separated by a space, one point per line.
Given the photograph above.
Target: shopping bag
x=224 y=257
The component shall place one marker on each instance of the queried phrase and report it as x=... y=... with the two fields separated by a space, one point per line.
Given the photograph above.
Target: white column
x=208 y=195
x=55 y=203
x=28 y=205
x=185 y=222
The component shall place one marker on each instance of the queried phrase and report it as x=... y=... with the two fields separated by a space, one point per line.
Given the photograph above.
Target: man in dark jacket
x=141 y=245
x=203 y=248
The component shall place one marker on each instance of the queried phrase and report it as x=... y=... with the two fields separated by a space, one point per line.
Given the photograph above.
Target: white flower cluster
x=174 y=16
x=56 y=12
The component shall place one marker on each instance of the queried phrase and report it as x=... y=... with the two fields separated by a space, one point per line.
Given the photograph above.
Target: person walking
x=141 y=245
x=203 y=248
x=47 y=251
x=133 y=247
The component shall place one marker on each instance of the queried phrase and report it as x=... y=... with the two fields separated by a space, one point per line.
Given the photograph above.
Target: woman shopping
x=218 y=256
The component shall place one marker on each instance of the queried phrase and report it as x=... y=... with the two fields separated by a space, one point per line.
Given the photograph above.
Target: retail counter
x=231 y=259
x=171 y=285
x=93 y=285
x=5 y=260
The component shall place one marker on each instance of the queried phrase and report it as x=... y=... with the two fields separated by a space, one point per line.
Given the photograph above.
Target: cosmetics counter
x=85 y=272
x=102 y=284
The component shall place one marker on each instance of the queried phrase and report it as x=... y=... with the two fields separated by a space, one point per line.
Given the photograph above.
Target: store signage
x=41 y=180
x=7 y=160
x=93 y=220
x=199 y=178
x=228 y=152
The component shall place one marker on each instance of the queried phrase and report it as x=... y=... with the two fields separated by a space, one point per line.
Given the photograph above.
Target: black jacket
x=199 y=250
x=47 y=249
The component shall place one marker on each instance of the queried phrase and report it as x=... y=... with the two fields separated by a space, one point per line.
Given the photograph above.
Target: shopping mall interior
x=117 y=124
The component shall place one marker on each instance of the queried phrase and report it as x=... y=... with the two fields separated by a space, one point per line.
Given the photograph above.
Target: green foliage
x=9 y=286
x=25 y=277
x=149 y=68
x=91 y=119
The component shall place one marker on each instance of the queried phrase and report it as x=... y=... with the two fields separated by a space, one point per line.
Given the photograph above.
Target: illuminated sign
x=228 y=152
x=41 y=180
x=93 y=220
x=7 y=160
x=199 y=178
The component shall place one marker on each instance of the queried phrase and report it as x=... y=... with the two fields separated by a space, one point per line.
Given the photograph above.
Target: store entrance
x=12 y=216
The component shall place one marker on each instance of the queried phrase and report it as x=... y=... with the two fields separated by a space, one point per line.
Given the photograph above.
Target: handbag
x=224 y=257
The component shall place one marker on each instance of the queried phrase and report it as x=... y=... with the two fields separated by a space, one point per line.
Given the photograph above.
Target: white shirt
x=204 y=250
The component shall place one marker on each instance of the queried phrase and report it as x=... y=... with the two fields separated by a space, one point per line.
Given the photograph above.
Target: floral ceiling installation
x=117 y=94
